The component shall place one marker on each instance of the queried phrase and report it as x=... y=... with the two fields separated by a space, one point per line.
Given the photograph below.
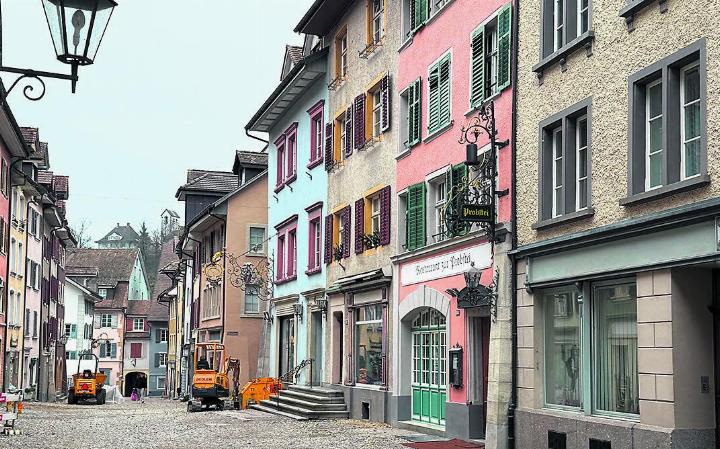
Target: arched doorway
x=134 y=380
x=429 y=366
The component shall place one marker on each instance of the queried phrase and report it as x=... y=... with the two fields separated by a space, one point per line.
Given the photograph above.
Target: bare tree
x=81 y=232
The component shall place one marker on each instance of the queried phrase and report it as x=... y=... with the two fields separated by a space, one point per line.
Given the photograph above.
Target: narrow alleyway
x=166 y=424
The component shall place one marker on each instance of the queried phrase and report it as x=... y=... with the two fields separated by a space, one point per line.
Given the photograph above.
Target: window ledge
x=285 y=280
x=255 y=255
x=315 y=163
x=563 y=219
x=474 y=109
x=291 y=179
x=278 y=188
x=633 y=6
x=438 y=132
x=406 y=43
x=584 y=40
x=403 y=154
x=313 y=271
x=665 y=191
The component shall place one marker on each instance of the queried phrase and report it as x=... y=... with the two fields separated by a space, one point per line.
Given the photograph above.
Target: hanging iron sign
x=478 y=213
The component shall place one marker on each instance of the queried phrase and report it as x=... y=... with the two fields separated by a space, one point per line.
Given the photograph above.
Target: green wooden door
x=429 y=373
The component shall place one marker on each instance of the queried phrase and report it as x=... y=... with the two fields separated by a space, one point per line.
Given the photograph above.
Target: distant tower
x=169 y=222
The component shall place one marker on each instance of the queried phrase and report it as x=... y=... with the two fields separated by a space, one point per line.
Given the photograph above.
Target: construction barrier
x=11 y=407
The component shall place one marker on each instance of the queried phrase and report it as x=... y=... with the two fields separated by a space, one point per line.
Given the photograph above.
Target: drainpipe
x=266 y=142
x=512 y=406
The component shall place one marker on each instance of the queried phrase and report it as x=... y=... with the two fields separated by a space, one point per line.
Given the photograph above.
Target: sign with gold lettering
x=477 y=213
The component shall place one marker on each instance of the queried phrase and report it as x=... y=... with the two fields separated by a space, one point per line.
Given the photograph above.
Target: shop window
x=368 y=344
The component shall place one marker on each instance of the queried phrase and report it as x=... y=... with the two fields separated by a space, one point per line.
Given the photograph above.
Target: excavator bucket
x=259 y=390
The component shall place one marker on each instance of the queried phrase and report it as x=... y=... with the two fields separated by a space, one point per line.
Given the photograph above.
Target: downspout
x=512 y=406
x=266 y=142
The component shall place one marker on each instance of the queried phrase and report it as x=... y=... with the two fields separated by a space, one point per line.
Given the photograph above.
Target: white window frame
x=491 y=53
x=378 y=21
x=343 y=55
x=255 y=249
x=578 y=150
x=558 y=24
x=319 y=138
x=164 y=335
x=343 y=123
x=103 y=322
x=341 y=228
x=142 y=324
x=557 y=147
x=439 y=204
x=163 y=383
x=162 y=363
x=648 y=120
x=377 y=112
x=375 y=207
x=582 y=10
x=683 y=107
x=318 y=243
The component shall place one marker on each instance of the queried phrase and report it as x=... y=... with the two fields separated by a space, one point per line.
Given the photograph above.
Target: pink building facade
x=457 y=57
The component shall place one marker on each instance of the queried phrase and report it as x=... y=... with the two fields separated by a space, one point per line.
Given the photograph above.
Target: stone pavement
x=163 y=424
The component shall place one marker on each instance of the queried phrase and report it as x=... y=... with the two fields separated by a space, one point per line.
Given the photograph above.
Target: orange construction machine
x=87 y=384
x=210 y=384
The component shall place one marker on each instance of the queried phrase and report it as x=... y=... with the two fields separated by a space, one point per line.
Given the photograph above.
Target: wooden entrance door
x=287 y=345
x=429 y=373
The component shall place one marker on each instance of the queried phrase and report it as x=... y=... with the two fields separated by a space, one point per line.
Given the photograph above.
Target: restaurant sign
x=449 y=264
x=477 y=213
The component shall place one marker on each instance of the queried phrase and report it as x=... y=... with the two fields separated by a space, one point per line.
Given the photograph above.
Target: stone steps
x=301 y=402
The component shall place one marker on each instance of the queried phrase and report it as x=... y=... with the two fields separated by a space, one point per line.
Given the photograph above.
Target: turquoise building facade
x=294 y=116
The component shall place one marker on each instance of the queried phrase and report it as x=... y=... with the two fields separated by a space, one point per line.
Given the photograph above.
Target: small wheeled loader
x=210 y=386
x=87 y=385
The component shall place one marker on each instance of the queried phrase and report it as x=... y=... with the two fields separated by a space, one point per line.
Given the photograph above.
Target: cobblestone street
x=166 y=424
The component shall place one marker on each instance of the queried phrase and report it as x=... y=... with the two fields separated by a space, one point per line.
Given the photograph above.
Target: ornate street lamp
x=472 y=276
x=77 y=28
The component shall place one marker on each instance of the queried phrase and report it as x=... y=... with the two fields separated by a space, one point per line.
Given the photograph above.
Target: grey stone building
x=617 y=224
x=360 y=150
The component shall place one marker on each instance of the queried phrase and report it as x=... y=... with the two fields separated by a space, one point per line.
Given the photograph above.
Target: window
x=162 y=335
x=440 y=194
x=439 y=97
x=138 y=324
x=160 y=383
x=490 y=51
x=378 y=20
x=19 y=259
x=668 y=148
x=411 y=112
x=136 y=350
x=71 y=330
x=211 y=302
x=317 y=120
x=108 y=350
x=287 y=250
x=292 y=254
x=4 y=178
x=102 y=292
x=375 y=214
x=337 y=243
x=611 y=349
x=341 y=54
x=368 y=344
x=291 y=156
x=280 y=275
x=376 y=113
x=162 y=359
x=257 y=240
x=563 y=21
x=13 y=256
x=565 y=163
x=280 y=162
x=71 y=355
x=106 y=320
x=35 y=323
x=315 y=243
x=26 y=326
x=252 y=299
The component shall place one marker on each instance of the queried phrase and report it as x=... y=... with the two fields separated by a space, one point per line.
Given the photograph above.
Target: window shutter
x=359 y=117
x=157 y=335
x=113 y=350
x=359 y=225
x=96 y=321
x=329 y=154
x=147 y=326
x=346 y=232
x=420 y=13
x=416 y=217
x=444 y=95
x=348 y=131
x=504 y=46
x=433 y=87
x=385 y=217
x=157 y=360
x=114 y=321
x=414 y=113
x=328 y=255
x=477 y=64
x=385 y=97
x=128 y=324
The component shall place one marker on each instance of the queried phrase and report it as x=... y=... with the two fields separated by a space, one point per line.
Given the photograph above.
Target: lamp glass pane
x=102 y=18
x=53 y=16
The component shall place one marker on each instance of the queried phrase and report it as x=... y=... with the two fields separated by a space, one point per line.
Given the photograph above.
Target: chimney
x=118 y=225
x=128 y=225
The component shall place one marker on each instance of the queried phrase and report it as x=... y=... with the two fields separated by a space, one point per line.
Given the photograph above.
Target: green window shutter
x=477 y=63
x=416 y=217
x=444 y=94
x=419 y=13
x=433 y=100
x=414 y=113
x=504 y=46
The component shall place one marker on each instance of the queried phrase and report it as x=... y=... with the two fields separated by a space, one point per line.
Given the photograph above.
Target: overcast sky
x=172 y=88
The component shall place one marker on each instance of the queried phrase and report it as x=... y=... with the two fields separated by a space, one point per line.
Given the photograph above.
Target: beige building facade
x=617 y=224
x=362 y=144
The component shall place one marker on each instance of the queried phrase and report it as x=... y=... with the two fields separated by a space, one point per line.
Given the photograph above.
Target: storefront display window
x=563 y=385
x=368 y=345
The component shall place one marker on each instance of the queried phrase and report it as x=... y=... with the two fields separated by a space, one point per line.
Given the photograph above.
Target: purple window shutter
x=348 y=131
x=359 y=225
x=359 y=121
x=329 y=154
x=385 y=98
x=385 y=220
x=346 y=232
x=328 y=255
